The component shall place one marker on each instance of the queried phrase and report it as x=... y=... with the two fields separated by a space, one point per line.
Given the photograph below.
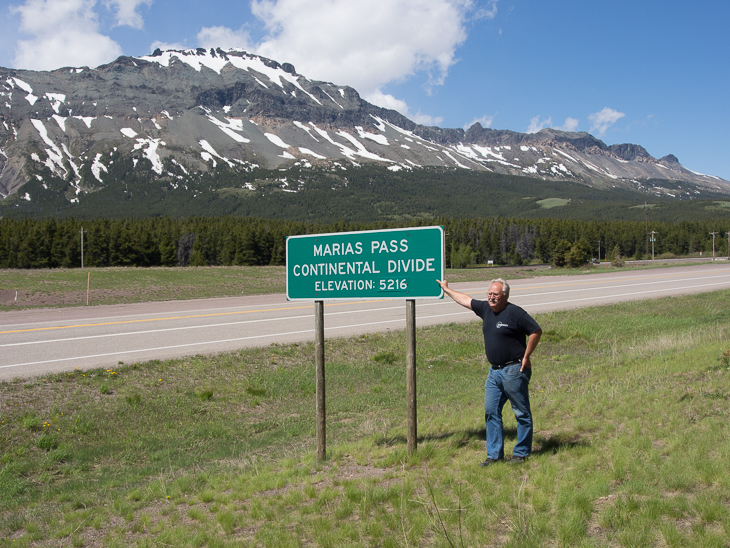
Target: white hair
x=504 y=284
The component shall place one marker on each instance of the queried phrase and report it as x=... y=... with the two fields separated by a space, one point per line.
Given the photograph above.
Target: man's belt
x=502 y=366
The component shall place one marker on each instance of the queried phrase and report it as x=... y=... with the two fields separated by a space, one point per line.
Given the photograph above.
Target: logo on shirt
x=500 y=324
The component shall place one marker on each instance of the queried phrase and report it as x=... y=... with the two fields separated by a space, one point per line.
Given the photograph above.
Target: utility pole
x=646 y=215
x=653 y=239
x=713 y=244
x=82 y=247
x=599 y=252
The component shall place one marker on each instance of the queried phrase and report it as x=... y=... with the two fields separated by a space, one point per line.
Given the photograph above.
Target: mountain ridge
x=183 y=113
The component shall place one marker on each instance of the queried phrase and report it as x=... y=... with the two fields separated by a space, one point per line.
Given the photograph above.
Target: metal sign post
x=403 y=263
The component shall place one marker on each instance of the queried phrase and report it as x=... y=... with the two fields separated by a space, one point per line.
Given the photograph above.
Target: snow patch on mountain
x=448 y=154
x=55 y=157
x=568 y=156
x=56 y=100
x=276 y=140
x=209 y=154
x=25 y=87
x=380 y=139
x=230 y=127
x=312 y=153
x=239 y=59
x=61 y=121
x=151 y=152
x=307 y=129
x=97 y=167
x=360 y=148
x=87 y=120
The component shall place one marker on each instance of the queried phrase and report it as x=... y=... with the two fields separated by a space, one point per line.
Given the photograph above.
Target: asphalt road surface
x=36 y=342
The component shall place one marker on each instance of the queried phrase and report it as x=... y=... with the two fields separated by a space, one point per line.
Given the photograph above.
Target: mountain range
x=171 y=119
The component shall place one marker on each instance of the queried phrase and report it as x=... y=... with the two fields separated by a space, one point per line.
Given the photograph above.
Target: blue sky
x=655 y=73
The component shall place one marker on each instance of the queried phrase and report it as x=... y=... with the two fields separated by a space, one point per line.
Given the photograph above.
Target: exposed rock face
x=669 y=159
x=630 y=152
x=185 y=112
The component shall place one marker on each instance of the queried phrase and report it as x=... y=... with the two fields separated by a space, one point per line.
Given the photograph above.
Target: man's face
x=496 y=299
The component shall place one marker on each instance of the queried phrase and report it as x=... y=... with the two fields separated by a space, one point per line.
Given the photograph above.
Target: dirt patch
x=10 y=296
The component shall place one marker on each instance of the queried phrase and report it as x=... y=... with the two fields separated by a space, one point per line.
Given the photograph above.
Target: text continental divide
x=363 y=267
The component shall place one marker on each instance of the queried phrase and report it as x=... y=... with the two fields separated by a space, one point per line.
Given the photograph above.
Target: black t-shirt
x=505 y=333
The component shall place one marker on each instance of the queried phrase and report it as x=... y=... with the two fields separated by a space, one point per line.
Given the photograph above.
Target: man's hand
x=461 y=298
x=532 y=341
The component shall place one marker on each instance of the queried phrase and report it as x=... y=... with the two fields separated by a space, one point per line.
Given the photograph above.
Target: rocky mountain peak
x=669 y=159
x=174 y=115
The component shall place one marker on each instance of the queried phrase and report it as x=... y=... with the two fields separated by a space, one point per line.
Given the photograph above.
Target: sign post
x=319 y=366
x=402 y=263
x=411 y=407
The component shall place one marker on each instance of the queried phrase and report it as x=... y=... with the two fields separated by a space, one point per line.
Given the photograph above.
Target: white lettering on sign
x=335 y=269
x=411 y=265
x=340 y=285
x=389 y=247
x=399 y=263
x=337 y=249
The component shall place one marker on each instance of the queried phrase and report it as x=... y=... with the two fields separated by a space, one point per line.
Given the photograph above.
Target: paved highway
x=36 y=342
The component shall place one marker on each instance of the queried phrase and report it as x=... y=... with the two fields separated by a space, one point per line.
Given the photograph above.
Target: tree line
x=225 y=241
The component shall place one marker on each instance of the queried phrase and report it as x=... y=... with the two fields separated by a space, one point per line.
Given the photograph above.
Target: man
x=510 y=338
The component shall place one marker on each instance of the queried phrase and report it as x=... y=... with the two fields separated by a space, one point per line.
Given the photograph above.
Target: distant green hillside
x=364 y=194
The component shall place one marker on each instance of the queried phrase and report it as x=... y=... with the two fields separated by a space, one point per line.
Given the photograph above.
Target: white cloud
x=424 y=119
x=62 y=33
x=127 y=12
x=487 y=12
x=363 y=43
x=167 y=46
x=485 y=121
x=571 y=124
x=388 y=101
x=223 y=37
x=604 y=119
x=536 y=124
x=366 y=44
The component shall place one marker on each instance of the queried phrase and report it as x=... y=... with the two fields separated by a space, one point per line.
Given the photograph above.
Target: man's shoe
x=516 y=460
x=488 y=462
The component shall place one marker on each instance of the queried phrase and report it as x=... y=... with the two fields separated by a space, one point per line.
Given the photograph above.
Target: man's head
x=498 y=294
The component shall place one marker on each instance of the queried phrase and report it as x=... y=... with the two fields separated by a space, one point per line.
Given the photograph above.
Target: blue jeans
x=502 y=385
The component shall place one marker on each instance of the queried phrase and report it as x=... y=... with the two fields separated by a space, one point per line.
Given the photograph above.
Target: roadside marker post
x=401 y=264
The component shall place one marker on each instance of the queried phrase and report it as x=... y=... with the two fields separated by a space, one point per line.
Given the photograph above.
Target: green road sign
x=395 y=264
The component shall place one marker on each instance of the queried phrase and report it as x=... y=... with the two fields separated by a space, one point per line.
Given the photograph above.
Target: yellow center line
x=122 y=322
x=587 y=282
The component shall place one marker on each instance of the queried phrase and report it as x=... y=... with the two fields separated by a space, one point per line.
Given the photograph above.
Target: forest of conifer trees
x=207 y=241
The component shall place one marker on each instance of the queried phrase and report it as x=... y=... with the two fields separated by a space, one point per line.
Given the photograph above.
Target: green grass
x=118 y=285
x=631 y=403
x=550 y=203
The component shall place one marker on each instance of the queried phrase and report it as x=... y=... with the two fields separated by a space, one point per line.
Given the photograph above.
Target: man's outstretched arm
x=461 y=298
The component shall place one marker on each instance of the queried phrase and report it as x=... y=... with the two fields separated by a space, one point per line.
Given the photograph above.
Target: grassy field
x=631 y=446
x=68 y=287
x=117 y=285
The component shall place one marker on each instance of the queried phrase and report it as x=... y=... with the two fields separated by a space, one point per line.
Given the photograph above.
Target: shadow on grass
x=545 y=445
x=460 y=439
x=557 y=442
